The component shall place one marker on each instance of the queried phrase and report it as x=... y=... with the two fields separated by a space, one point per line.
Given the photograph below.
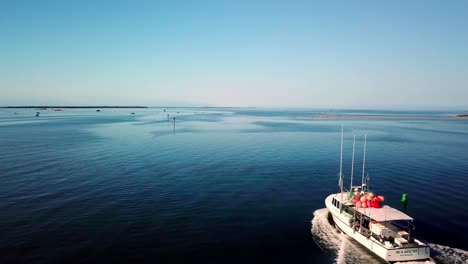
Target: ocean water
x=221 y=185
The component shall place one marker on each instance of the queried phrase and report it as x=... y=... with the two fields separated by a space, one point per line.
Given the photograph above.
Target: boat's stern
x=409 y=254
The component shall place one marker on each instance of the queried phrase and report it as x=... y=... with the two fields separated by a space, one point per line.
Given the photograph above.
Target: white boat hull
x=388 y=254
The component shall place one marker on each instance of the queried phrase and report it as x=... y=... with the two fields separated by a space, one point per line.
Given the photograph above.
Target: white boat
x=385 y=231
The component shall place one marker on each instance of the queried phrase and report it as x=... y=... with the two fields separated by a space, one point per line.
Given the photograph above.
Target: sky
x=330 y=54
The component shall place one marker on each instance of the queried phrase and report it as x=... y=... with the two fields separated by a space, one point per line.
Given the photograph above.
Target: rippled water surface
x=224 y=185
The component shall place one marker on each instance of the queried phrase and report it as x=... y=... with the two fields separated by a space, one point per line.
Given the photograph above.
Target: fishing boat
x=362 y=215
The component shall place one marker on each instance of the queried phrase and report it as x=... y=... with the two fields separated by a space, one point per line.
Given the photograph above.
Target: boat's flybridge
x=384 y=230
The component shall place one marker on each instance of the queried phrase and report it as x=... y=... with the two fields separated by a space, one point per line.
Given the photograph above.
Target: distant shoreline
x=386 y=116
x=87 y=107
x=72 y=107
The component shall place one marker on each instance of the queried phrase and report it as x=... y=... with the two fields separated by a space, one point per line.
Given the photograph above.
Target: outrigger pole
x=364 y=164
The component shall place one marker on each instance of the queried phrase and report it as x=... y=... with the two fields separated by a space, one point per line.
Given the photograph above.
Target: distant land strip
x=386 y=116
x=73 y=107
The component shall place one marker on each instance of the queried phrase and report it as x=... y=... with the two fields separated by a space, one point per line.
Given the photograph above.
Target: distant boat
x=57 y=109
x=133 y=113
x=358 y=214
x=98 y=110
x=37 y=114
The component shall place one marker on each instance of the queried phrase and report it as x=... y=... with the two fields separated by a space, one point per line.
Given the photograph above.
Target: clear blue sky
x=235 y=53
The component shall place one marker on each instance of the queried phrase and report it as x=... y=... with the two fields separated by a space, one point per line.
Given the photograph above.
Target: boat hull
x=388 y=254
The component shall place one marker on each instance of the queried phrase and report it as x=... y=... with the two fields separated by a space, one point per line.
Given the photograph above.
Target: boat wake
x=444 y=254
x=333 y=242
x=345 y=250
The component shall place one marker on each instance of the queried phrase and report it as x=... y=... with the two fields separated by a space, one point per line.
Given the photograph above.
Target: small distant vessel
x=383 y=230
x=98 y=110
x=57 y=109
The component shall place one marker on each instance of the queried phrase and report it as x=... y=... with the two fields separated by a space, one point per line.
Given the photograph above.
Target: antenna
x=352 y=166
x=340 y=183
x=341 y=153
x=364 y=163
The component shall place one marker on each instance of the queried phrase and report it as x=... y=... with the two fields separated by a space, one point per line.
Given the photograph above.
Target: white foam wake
x=444 y=254
x=333 y=242
x=341 y=256
x=345 y=250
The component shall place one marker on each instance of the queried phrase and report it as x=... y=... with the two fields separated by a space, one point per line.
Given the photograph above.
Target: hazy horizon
x=335 y=55
x=454 y=109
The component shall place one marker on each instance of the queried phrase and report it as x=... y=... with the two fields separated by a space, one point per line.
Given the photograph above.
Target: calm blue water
x=227 y=185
